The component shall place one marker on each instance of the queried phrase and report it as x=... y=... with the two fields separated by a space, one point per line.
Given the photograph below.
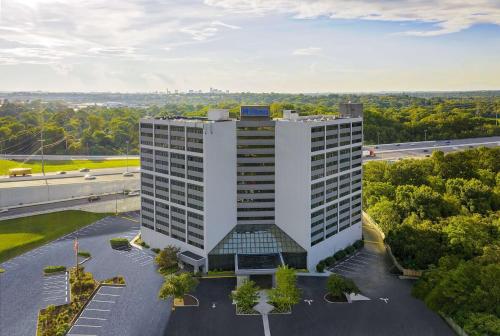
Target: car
x=4 y=210
x=412 y=144
x=89 y=177
x=60 y=173
x=397 y=145
x=93 y=198
x=84 y=170
x=426 y=151
x=127 y=174
x=133 y=193
x=376 y=147
x=471 y=146
x=447 y=142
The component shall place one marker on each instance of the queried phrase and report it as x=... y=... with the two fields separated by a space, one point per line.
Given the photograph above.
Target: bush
x=119 y=243
x=350 y=249
x=155 y=250
x=177 y=286
x=246 y=296
x=84 y=254
x=359 y=244
x=115 y=280
x=54 y=269
x=339 y=255
x=167 y=258
x=330 y=261
x=286 y=293
x=338 y=285
x=320 y=267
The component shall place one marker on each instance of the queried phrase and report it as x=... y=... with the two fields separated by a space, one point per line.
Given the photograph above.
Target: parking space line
x=102 y=301
x=95 y=309
x=87 y=326
x=107 y=294
x=92 y=318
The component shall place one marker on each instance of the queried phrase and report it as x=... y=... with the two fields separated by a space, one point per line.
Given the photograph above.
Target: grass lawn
x=23 y=234
x=65 y=165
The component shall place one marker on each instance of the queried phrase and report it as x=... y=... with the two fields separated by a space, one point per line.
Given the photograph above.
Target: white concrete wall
x=219 y=164
x=333 y=244
x=54 y=192
x=293 y=176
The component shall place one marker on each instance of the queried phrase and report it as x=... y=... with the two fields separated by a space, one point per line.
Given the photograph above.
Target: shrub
x=246 y=296
x=350 y=249
x=84 y=254
x=54 y=269
x=330 y=261
x=115 y=280
x=338 y=285
x=286 y=293
x=339 y=255
x=359 y=244
x=155 y=250
x=177 y=286
x=119 y=243
x=320 y=267
x=167 y=258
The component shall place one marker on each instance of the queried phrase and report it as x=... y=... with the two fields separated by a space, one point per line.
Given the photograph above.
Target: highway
x=423 y=148
x=69 y=174
x=30 y=209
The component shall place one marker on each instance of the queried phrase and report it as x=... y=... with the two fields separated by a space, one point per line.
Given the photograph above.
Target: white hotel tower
x=252 y=193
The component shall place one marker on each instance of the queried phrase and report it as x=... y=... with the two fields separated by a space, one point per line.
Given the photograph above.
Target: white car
x=133 y=193
x=128 y=174
x=89 y=177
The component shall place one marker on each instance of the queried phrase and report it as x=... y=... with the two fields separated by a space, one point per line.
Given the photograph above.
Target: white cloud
x=447 y=16
x=311 y=51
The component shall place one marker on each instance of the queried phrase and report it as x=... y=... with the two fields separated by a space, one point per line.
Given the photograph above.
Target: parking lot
x=24 y=289
x=97 y=312
x=55 y=289
x=354 y=264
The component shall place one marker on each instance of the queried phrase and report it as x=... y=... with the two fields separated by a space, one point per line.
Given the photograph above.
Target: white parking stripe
x=107 y=294
x=92 y=318
x=103 y=301
x=87 y=326
x=95 y=309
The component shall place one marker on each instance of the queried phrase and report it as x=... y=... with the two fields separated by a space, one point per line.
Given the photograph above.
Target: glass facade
x=256 y=240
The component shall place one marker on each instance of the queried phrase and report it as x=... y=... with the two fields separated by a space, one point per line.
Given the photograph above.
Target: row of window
x=334 y=162
x=178 y=137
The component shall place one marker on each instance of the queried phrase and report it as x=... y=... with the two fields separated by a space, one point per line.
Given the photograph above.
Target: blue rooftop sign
x=255 y=111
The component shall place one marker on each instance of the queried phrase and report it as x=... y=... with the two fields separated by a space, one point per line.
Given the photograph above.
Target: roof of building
x=257 y=239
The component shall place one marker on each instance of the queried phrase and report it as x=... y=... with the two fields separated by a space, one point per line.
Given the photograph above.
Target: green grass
x=65 y=165
x=23 y=234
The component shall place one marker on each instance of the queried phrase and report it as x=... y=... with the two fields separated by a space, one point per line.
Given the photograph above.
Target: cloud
x=311 y=51
x=44 y=31
x=447 y=16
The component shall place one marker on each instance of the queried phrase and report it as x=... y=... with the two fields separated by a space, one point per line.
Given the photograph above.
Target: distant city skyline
x=249 y=45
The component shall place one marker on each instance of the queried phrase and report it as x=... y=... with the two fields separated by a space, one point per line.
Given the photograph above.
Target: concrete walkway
x=264 y=309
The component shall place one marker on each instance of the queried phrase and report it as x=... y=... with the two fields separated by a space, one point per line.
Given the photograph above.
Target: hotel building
x=251 y=193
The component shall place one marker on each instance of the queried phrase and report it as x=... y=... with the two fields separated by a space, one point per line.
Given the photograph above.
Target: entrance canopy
x=256 y=247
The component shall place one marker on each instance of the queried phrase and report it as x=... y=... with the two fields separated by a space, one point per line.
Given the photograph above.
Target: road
x=423 y=148
x=31 y=209
x=68 y=157
x=70 y=174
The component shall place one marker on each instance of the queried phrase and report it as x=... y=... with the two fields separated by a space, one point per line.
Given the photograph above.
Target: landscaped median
x=57 y=320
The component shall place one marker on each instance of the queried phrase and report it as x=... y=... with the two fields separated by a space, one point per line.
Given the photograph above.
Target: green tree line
x=98 y=130
x=442 y=215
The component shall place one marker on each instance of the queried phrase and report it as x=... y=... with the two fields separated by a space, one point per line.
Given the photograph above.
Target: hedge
x=119 y=242
x=320 y=267
x=340 y=255
x=54 y=269
x=358 y=244
x=155 y=250
x=350 y=249
x=84 y=254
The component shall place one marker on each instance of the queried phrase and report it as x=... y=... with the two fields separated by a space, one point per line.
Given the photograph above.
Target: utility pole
x=127 y=155
x=425 y=135
x=41 y=147
x=378 y=138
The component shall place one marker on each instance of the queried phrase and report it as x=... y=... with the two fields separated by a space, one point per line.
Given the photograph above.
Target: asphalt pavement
x=24 y=289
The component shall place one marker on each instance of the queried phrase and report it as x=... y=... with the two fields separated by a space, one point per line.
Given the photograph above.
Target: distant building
x=253 y=193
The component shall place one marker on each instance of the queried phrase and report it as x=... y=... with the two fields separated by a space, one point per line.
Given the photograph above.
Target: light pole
x=425 y=135
x=378 y=138
x=127 y=155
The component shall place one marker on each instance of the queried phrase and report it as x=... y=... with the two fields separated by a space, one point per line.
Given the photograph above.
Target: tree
x=246 y=296
x=386 y=214
x=167 y=258
x=177 y=286
x=337 y=285
x=286 y=293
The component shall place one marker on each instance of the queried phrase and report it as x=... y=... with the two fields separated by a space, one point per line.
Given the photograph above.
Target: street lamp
x=127 y=155
x=425 y=135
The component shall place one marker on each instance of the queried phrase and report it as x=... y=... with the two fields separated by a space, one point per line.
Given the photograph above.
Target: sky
x=249 y=45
